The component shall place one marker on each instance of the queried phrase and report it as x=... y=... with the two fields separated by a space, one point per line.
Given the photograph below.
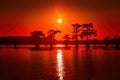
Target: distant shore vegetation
x=80 y=31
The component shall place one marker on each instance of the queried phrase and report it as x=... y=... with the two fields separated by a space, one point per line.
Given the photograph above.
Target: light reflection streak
x=60 y=67
x=59 y=45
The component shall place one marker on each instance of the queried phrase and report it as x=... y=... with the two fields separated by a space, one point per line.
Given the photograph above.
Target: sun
x=60 y=20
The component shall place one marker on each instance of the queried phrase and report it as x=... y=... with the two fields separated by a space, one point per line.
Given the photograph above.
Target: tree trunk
x=66 y=43
x=15 y=45
x=76 y=39
x=37 y=46
x=51 y=44
x=87 y=43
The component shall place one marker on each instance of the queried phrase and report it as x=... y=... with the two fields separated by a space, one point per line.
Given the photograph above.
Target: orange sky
x=18 y=19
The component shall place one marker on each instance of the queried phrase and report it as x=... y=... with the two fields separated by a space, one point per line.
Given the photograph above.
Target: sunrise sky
x=20 y=17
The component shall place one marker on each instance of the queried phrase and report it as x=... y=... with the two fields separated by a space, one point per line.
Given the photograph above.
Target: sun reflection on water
x=60 y=66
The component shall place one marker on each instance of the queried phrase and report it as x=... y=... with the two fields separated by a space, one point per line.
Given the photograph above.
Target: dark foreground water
x=59 y=64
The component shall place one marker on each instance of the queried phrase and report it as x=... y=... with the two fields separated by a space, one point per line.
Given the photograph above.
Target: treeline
x=79 y=32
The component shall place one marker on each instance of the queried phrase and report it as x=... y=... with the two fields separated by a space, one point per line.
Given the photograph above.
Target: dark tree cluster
x=80 y=31
x=115 y=40
x=83 y=30
x=38 y=35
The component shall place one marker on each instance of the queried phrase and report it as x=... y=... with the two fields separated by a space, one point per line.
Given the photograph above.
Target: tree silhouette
x=116 y=41
x=36 y=35
x=107 y=40
x=76 y=32
x=95 y=43
x=15 y=41
x=51 y=35
x=87 y=31
x=66 y=38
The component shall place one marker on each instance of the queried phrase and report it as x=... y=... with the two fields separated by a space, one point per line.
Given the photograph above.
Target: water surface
x=59 y=64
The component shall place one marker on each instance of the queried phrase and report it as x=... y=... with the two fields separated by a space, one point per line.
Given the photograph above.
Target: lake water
x=59 y=64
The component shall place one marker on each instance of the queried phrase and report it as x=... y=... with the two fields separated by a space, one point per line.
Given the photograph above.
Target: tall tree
x=36 y=35
x=76 y=32
x=51 y=35
x=116 y=40
x=87 y=30
x=107 y=40
x=66 y=38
